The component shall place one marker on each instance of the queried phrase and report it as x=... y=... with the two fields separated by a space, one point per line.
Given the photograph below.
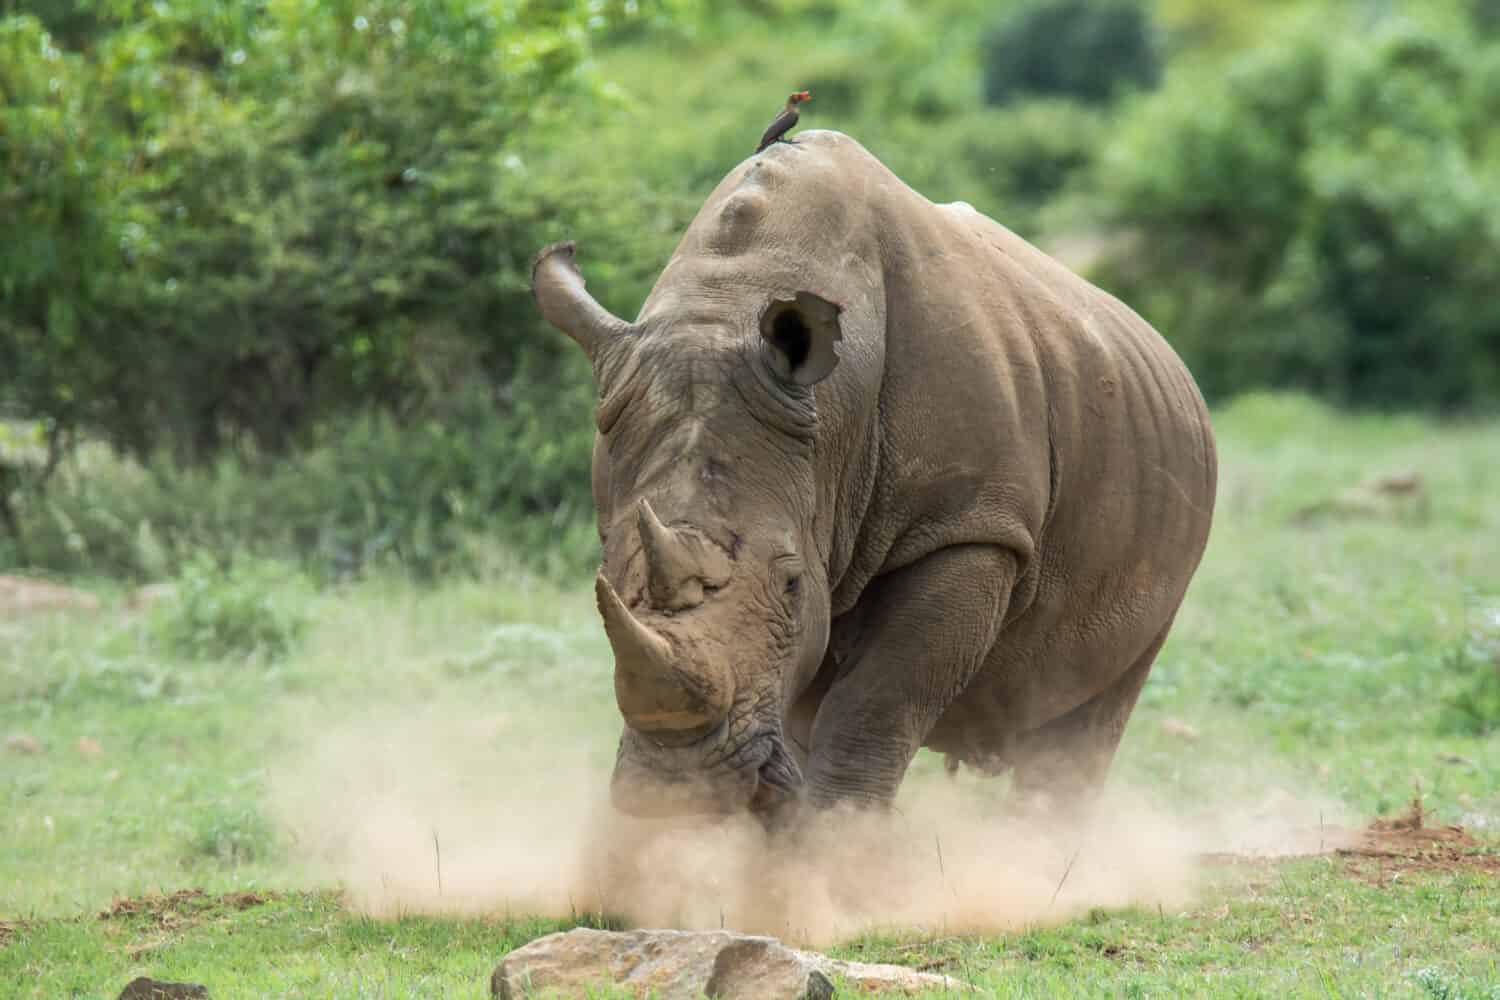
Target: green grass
x=1305 y=929
x=1344 y=662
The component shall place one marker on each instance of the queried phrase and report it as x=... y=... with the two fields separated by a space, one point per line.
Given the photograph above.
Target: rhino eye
x=793 y=585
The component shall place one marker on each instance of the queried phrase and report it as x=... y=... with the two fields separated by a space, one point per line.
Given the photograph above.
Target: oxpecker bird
x=784 y=121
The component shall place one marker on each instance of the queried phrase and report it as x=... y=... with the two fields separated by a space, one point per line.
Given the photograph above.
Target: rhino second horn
x=648 y=685
x=672 y=573
x=557 y=286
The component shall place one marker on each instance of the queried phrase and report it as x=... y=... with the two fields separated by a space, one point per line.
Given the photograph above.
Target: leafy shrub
x=1025 y=156
x=1441 y=985
x=434 y=496
x=230 y=232
x=1088 y=49
x=1486 y=16
x=1473 y=709
x=232 y=835
x=249 y=608
x=1325 y=215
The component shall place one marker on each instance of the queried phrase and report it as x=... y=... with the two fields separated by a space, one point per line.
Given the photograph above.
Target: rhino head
x=713 y=587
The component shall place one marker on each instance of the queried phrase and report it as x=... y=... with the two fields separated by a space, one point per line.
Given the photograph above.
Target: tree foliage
x=275 y=252
x=281 y=211
x=1326 y=214
x=1088 y=49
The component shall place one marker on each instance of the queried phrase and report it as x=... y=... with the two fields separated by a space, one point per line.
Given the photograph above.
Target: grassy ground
x=1336 y=648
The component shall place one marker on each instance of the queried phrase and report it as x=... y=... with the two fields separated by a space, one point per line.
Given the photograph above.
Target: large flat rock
x=686 y=965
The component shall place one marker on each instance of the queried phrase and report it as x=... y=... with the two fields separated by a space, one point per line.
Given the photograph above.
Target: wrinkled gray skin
x=874 y=474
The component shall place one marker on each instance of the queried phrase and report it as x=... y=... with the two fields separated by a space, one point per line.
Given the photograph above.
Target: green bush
x=1325 y=215
x=1473 y=706
x=250 y=608
x=1024 y=157
x=1087 y=49
x=436 y=495
x=233 y=257
x=232 y=835
x=231 y=230
x=1486 y=16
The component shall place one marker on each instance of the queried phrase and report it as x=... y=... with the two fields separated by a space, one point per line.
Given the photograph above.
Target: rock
x=1396 y=495
x=143 y=988
x=89 y=747
x=20 y=595
x=23 y=743
x=1403 y=484
x=1179 y=729
x=679 y=965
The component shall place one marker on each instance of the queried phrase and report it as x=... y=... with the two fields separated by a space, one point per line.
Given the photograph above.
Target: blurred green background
x=263 y=263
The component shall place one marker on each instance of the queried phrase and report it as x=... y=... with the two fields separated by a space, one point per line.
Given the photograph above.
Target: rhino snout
x=714 y=777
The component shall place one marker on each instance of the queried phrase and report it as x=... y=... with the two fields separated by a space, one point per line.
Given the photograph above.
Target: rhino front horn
x=654 y=693
x=558 y=288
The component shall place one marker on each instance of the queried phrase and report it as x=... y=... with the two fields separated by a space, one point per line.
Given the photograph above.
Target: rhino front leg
x=928 y=629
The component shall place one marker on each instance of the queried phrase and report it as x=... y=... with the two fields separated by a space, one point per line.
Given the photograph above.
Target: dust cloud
x=449 y=812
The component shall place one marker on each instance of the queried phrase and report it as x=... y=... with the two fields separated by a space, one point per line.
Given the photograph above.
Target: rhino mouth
x=778 y=780
x=716 y=777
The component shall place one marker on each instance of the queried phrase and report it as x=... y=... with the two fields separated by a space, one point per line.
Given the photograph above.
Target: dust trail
x=519 y=826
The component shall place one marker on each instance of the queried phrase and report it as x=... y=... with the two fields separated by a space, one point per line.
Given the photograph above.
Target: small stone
x=143 y=988
x=677 y=965
x=89 y=747
x=1400 y=484
x=1456 y=759
x=1181 y=730
x=23 y=743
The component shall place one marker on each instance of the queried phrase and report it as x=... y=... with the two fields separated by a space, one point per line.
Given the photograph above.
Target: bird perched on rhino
x=784 y=121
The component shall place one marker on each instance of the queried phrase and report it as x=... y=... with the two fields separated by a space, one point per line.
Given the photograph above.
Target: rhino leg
x=1060 y=767
x=928 y=629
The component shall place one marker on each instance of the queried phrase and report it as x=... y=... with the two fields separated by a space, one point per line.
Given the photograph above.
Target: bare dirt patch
x=1381 y=851
x=1389 y=848
x=172 y=909
x=20 y=595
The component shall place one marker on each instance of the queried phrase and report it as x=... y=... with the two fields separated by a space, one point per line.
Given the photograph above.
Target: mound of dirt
x=1405 y=845
x=1397 y=844
x=172 y=908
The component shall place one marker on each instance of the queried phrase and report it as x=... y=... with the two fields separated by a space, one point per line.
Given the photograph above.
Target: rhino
x=874 y=474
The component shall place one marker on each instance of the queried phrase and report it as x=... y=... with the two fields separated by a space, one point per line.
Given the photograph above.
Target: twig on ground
x=1076 y=851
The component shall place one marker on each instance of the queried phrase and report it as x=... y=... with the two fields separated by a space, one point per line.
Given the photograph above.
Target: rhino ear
x=800 y=334
x=558 y=288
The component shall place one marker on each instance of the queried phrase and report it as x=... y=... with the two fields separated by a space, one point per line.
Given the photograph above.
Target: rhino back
x=985 y=393
x=1021 y=406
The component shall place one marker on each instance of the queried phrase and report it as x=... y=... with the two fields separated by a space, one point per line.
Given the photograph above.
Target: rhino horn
x=672 y=572
x=653 y=693
x=558 y=288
